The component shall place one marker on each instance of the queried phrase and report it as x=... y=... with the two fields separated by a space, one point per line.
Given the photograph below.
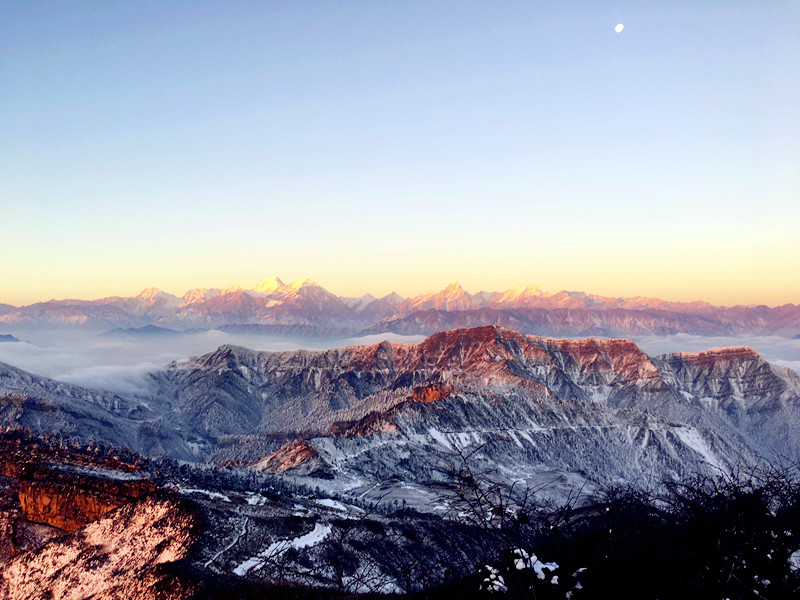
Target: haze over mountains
x=306 y=308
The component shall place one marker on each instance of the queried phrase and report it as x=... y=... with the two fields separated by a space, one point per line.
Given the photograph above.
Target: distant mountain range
x=306 y=308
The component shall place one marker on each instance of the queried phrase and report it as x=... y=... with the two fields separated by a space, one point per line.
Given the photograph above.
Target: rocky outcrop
x=289 y=456
x=431 y=393
x=126 y=554
x=63 y=485
x=69 y=498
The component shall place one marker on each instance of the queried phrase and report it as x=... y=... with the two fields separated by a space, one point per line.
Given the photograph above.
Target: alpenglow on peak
x=270 y=284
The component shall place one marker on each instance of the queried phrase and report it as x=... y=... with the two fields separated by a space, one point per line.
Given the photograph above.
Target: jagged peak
x=392 y=297
x=576 y=294
x=148 y=293
x=527 y=289
x=230 y=350
x=200 y=294
x=520 y=291
x=154 y=293
x=270 y=284
x=301 y=283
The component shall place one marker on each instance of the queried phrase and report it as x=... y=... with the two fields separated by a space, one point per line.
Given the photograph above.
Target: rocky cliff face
x=730 y=376
x=65 y=489
x=68 y=497
x=81 y=522
x=758 y=398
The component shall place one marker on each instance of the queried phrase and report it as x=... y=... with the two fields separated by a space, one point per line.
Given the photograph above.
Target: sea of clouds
x=121 y=364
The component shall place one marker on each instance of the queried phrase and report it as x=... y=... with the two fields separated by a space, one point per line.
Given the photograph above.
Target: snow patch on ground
x=439 y=437
x=256 y=500
x=275 y=549
x=212 y=495
x=335 y=504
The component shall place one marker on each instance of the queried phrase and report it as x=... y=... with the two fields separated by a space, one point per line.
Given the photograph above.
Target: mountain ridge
x=598 y=409
x=309 y=309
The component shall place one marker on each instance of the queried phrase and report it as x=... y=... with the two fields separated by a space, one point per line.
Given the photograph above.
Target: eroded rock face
x=63 y=507
x=86 y=521
x=289 y=456
x=728 y=374
x=68 y=499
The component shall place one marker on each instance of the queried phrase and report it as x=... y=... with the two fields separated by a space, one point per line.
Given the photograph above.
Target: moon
x=619 y=27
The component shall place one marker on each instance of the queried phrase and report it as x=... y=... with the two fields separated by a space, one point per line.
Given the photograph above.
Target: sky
x=397 y=146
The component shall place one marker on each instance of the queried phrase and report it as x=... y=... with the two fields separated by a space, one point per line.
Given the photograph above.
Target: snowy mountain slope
x=124 y=555
x=44 y=404
x=601 y=408
x=526 y=406
x=268 y=285
x=452 y=298
x=466 y=387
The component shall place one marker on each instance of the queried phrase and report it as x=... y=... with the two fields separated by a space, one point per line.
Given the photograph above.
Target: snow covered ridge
x=563 y=405
x=364 y=390
x=305 y=307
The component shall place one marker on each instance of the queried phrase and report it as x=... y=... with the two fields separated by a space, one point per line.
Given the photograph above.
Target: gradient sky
x=378 y=146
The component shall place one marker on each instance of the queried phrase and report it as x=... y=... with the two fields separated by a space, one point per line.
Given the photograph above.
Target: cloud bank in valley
x=122 y=365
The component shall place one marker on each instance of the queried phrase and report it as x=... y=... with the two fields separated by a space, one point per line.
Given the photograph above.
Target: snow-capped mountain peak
x=392 y=298
x=200 y=295
x=268 y=285
x=301 y=283
x=519 y=294
x=359 y=303
x=153 y=295
x=150 y=293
